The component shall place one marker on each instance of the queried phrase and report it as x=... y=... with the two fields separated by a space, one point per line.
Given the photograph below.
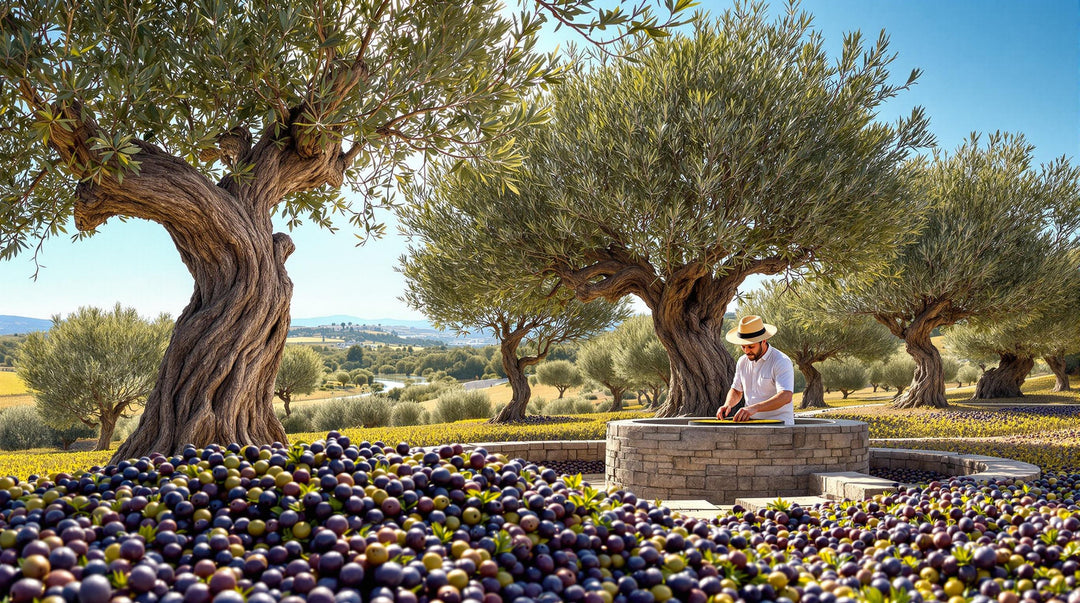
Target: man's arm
x=778 y=401
x=733 y=397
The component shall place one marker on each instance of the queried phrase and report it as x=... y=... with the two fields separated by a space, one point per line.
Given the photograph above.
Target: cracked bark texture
x=1061 y=373
x=215 y=384
x=1005 y=380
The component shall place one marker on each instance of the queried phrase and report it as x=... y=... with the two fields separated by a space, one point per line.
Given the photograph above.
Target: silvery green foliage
x=996 y=241
x=639 y=356
x=300 y=371
x=404 y=414
x=898 y=371
x=809 y=332
x=385 y=81
x=844 y=375
x=738 y=148
x=560 y=374
x=459 y=405
x=1033 y=330
x=93 y=364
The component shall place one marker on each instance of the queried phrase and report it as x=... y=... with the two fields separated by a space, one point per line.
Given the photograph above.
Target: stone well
x=670 y=459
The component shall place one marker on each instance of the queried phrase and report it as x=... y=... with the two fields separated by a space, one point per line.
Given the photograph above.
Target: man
x=764 y=375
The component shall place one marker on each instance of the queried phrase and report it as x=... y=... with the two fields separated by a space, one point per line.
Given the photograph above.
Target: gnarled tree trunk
x=286 y=397
x=690 y=326
x=1005 y=380
x=616 y=397
x=514 y=368
x=1061 y=372
x=928 y=386
x=216 y=383
x=814 y=394
x=688 y=316
x=106 y=427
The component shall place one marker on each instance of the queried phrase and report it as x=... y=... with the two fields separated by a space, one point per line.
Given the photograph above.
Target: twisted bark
x=1061 y=372
x=814 y=394
x=928 y=386
x=690 y=327
x=1005 y=380
x=215 y=384
x=514 y=368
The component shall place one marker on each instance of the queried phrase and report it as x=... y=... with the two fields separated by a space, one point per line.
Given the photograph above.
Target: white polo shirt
x=762 y=379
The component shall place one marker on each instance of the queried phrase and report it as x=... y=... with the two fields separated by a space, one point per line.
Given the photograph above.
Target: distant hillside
x=10 y=325
x=337 y=319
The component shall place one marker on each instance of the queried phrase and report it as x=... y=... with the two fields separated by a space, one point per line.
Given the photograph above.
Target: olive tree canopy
x=1015 y=341
x=996 y=242
x=461 y=283
x=300 y=372
x=736 y=149
x=210 y=118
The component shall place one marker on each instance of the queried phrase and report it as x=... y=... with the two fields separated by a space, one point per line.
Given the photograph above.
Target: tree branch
x=617 y=280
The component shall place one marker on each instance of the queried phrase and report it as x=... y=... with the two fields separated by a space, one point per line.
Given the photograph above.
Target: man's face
x=754 y=351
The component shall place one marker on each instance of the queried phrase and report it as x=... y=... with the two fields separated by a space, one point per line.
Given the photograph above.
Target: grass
x=312 y=340
x=16 y=400
x=501 y=394
x=11 y=384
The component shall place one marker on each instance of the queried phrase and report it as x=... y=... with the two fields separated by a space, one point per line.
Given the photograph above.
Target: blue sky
x=987 y=65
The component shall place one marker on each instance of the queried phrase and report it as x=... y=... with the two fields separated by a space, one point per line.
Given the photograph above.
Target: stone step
x=762 y=503
x=698 y=509
x=850 y=484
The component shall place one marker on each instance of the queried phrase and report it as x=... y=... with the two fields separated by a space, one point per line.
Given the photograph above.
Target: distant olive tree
x=967 y=374
x=299 y=373
x=560 y=374
x=897 y=372
x=949 y=368
x=844 y=376
x=93 y=367
x=1015 y=342
x=596 y=360
x=640 y=358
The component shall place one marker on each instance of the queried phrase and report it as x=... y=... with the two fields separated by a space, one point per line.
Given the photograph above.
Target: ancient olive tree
x=560 y=374
x=994 y=242
x=93 y=367
x=211 y=118
x=810 y=334
x=1011 y=347
x=640 y=358
x=1014 y=343
x=300 y=372
x=461 y=283
x=738 y=148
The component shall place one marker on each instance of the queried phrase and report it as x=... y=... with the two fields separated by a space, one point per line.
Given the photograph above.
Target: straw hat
x=751 y=329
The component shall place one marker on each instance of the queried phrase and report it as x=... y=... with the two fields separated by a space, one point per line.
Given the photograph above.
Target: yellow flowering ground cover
x=582 y=427
x=11 y=384
x=24 y=463
x=1040 y=410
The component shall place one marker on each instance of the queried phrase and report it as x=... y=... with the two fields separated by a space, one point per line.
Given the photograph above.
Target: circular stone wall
x=670 y=459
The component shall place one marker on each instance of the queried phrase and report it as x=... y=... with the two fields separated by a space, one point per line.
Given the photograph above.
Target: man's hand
x=745 y=414
x=723 y=411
